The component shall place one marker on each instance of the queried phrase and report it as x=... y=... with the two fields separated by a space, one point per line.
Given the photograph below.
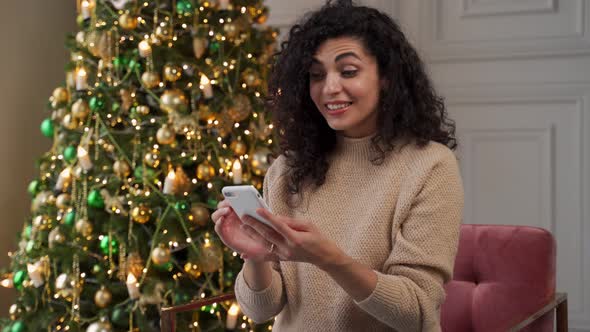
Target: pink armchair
x=504 y=280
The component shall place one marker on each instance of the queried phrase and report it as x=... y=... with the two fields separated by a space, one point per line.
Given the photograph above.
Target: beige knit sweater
x=400 y=218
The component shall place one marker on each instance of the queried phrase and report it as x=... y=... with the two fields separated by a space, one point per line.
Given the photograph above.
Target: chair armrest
x=168 y=314
x=559 y=302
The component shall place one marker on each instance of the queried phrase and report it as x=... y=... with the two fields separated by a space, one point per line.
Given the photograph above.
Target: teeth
x=334 y=107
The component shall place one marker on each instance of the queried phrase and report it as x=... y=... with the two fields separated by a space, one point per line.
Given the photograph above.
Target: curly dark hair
x=408 y=106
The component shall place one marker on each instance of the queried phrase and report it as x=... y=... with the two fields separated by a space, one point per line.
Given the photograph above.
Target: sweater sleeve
x=409 y=290
x=262 y=305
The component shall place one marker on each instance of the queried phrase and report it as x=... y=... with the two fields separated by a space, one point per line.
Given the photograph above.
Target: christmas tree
x=161 y=107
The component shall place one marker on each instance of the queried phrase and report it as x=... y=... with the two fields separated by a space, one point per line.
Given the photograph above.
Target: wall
x=33 y=56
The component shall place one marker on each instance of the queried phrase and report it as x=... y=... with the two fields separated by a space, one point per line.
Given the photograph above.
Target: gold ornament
x=102 y=326
x=200 y=46
x=260 y=162
x=239 y=147
x=184 y=124
x=142 y=110
x=164 y=32
x=80 y=109
x=205 y=171
x=41 y=222
x=251 y=77
x=60 y=95
x=121 y=169
x=141 y=214
x=63 y=201
x=55 y=236
x=192 y=269
x=81 y=38
x=64 y=286
x=152 y=158
x=93 y=42
x=160 y=255
x=256 y=182
x=42 y=198
x=172 y=73
x=126 y=99
x=128 y=21
x=103 y=297
x=261 y=16
x=205 y=113
x=84 y=227
x=210 y=257
x=150 y=79
x=69 y=122
x=241 y=109
x=224 y=124
x=181 y=182
x=15 y=311
x=231 y=30
x=135 y=264
x=199 y=215
x=173 y=100
x=165 y=135
x=106 y=46
x=59 y=114
x=145 y=49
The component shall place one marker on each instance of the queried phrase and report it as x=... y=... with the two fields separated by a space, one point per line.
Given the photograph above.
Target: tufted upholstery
x=502 y=275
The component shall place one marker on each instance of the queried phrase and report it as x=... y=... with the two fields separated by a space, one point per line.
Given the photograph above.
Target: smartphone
x=245 y=200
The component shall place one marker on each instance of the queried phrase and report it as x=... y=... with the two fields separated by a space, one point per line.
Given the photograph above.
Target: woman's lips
x=339 y=110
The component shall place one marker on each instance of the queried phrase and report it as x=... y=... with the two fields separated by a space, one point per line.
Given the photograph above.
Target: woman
x=366 y=194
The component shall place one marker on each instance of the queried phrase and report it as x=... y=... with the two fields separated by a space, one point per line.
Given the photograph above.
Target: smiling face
x=344 y=85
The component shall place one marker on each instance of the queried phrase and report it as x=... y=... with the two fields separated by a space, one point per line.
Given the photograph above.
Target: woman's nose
x=332 y=85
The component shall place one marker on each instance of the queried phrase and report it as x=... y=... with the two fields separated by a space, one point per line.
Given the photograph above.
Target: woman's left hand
x=293 y=239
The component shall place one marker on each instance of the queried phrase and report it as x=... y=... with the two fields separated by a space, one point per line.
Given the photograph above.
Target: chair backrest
x=502 y=274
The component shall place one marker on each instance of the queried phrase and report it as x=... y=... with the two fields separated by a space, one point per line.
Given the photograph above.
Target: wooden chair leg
x=167 y=322
x=561 y=316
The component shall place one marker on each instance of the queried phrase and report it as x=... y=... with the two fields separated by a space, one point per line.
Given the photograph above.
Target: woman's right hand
x=231 y=231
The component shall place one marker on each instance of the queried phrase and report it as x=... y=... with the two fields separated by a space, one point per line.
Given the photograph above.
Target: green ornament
x=18 y=326
x=70 y=153
x=181 y=297
x=70 y=218
x=95 y=199
x=212 y=202
x=164 y=267
x=6 y=328
x=34 y=187
x=150 y=174
x=96 y=269
x=214 y=46
x=30 y=246
x=182 y=206
x=18 y=278
x=104 y=245
x=134 y=65
x=47 y=128
x=184 y=7
x=28 y=231
x=120 y=317
x=96 y=103
x=120 y=62
x=115 y=106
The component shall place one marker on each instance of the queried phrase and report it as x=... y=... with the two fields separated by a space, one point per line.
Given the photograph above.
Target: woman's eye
x=349 y=73
x=315 y=76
